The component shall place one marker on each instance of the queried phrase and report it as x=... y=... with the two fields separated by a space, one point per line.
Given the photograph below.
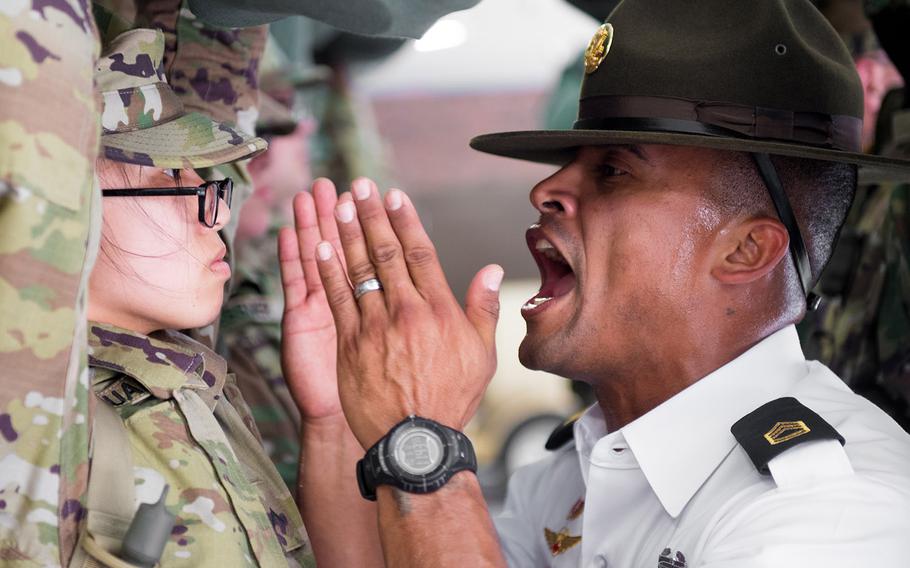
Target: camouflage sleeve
x=49 y=131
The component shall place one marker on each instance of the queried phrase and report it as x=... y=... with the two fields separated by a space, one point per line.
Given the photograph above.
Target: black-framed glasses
x=210 y=195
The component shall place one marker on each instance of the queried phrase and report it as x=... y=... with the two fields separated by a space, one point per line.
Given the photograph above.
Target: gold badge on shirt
x=559 y=542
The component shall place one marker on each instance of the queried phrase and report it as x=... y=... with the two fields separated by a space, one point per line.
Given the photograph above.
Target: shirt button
x=601 y=561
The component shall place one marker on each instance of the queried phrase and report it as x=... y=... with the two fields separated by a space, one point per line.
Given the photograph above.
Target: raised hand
x=409 y=348
x=308 y=351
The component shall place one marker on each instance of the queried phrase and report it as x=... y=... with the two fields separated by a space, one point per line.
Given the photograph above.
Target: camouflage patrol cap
x=144 y=122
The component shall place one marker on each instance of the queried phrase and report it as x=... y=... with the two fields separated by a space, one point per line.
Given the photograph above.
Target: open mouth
x=556 y=275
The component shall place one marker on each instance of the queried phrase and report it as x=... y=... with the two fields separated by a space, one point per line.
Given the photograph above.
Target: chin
x=538 y=354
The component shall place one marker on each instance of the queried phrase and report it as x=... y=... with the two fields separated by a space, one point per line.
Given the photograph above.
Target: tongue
x=564 y=285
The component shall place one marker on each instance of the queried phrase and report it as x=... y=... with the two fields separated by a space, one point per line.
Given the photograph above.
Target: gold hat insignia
x=598 y=48
x=783 y=431
x=561 y=541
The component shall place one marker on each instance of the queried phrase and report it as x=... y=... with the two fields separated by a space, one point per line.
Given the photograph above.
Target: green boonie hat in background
x=769 y=76
x=144 y=122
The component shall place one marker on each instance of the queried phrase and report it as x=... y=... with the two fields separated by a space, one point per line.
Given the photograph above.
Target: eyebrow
x=635 y=149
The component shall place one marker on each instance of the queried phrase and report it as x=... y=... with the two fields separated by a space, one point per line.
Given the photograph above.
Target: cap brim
x=190 y=141
x=559 y=147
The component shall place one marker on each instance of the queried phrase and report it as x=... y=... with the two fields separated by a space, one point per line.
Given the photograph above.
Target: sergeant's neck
x=650 y=380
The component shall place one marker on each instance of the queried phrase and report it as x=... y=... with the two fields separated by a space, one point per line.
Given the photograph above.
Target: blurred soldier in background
x=251 y=320
x=49 y=226
x=862 y=328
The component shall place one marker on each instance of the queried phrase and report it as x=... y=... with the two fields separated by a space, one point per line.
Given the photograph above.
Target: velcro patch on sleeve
x=777 y=426
x=124 y=391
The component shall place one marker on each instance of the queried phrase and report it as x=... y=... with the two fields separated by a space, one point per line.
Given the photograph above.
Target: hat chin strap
x=785 y=212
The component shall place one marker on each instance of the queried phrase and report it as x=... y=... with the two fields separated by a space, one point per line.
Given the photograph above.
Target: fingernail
x=393 y=200
x=361 y=188
x=324 y=251
x=493 y=279
x=345 y=212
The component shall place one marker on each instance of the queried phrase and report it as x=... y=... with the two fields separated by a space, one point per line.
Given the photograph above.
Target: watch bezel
x=390 y=463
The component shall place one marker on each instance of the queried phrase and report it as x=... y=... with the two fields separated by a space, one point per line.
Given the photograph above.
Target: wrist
x=326 y=430
x=417 y=455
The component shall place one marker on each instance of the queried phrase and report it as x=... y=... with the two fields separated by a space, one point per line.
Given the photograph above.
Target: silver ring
x=371 y=285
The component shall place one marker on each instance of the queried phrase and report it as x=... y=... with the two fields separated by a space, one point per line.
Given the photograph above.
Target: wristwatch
x=418 y=455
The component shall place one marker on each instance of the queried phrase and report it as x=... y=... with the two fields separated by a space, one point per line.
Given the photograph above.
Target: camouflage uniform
x=862 y=329
x=189 y=428
x=48 y=237
x=251 y=331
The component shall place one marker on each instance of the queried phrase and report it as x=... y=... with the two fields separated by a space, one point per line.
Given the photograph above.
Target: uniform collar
x=162 y=362
x=680 y=443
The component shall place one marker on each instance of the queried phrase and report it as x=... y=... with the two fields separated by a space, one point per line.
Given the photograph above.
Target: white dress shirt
x=674 y=489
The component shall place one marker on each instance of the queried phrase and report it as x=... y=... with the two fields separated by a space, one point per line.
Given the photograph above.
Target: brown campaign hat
x=768 y=76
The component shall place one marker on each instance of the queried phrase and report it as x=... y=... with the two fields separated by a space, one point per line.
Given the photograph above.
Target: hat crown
x=775 y=54
x=132 y=59
x=131 y=84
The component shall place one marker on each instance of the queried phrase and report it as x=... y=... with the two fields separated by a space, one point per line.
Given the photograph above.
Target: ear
x=750 y=251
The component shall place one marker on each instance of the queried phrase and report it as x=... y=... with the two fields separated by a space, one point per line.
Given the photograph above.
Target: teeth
x=534 y=302
x=543 y=244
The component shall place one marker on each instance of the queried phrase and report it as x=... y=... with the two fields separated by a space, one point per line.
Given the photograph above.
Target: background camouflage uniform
x=251 y=331
x=48 y=235
x=189 y=428
x=862 y=331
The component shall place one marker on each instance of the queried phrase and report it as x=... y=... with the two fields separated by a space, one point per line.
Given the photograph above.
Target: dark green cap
x=769 y=76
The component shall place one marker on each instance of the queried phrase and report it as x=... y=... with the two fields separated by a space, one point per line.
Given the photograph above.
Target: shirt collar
x=680 y=443
x=161 y=362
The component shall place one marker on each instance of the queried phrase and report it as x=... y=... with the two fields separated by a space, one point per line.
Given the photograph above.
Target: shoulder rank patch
x=563 y=433
x=777 y=426
x=124 y=390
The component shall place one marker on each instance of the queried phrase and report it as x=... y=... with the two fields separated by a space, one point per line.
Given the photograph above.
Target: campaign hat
x=770 y=77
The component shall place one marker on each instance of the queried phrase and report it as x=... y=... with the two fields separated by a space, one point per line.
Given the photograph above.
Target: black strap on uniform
x=785 y=212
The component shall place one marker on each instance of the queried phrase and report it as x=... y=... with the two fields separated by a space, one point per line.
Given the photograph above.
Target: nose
x=558 y=194
x=224 y=215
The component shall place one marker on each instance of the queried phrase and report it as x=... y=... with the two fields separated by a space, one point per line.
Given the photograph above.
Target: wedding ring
x=371 y=285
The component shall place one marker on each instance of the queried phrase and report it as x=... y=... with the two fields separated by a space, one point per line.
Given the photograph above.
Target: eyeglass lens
x=215 y=191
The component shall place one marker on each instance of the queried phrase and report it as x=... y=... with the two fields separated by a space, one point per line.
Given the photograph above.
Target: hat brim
x=190 y=141
x=559 y=147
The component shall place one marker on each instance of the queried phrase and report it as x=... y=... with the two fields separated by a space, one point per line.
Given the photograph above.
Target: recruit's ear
x=750 y=251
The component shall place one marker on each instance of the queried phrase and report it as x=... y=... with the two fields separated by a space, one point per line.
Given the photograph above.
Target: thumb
x=482 y=303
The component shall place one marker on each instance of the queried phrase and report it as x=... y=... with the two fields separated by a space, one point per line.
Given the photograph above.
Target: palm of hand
x=309 y=344
x=309 y=354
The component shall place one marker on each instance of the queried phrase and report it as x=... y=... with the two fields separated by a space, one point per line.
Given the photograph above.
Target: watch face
x=418 y=450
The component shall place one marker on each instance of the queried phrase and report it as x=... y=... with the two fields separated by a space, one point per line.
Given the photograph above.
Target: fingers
x=308 y=236
x=382 y=245
x=482 y=303
x=359 y=266
x=326 y=198
x=338 y=292
x=419 y=252
x=292 y=280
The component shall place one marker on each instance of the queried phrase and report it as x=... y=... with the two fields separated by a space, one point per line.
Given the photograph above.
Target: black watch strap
x=417 y=455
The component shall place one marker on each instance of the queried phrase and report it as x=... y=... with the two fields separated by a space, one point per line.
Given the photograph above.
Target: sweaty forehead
x=664 y=155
